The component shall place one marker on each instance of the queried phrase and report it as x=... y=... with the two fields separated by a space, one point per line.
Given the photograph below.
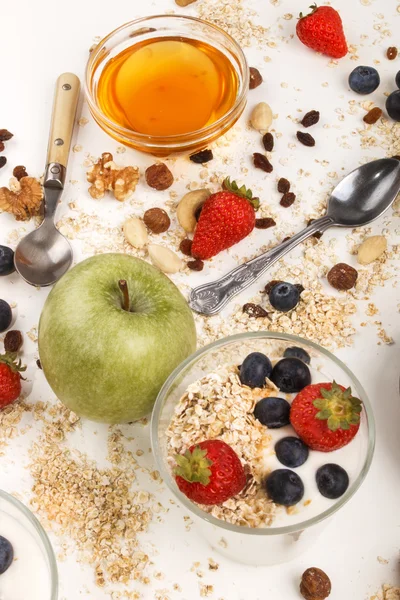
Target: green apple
x=104 y=362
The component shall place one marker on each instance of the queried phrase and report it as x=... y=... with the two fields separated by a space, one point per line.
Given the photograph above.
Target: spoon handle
x=63 y=118
x=210 y=298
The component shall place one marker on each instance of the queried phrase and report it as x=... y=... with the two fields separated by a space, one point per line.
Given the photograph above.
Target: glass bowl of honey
x=167 y=84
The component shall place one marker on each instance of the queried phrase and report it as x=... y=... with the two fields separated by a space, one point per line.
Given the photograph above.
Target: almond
x=164 y=259
x=261 y=117
x=371 y=249
x=135 y=232
x=188 y=206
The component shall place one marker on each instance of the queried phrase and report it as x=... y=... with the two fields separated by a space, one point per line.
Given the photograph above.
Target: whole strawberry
x=226 y=218
x=210 y=472
x=325 y=416
x=322 y=30
x=10 y=379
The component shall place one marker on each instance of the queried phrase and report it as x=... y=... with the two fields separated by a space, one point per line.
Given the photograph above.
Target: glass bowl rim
x=288 y=529
x=43 y=537
x=160 y=139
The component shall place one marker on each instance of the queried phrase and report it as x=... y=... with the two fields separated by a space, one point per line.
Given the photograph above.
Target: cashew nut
x=188 y=206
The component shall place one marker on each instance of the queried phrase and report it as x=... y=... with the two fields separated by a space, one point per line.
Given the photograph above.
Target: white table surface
x=41 y=39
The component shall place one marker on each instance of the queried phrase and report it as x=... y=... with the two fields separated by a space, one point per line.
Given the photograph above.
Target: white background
x=38 y=41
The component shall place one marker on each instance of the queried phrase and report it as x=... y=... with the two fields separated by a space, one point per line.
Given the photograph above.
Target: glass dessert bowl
x=250 y=527
x=167 y=84
x=32 y=572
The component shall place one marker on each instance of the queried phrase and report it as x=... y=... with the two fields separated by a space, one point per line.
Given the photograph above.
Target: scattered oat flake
x=382 y=561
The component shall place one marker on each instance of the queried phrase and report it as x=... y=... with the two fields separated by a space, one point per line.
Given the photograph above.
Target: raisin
x=3 y=161
x=264 y=223
x=373 y=115
x=186 y=247
x=262 y=162
x=20 y=172
x=305 y=138
x=201 y=157
x=196 y=265
x=270 y=285
x=13 y=341
x=2 y=146
x=285 y=239
x=315 y=584
x=5 y=135
x=268 y=141
x=39 y=364
x=310 y=118
x=317 y=234
x=287 y=199
x=397 y=156
x=283 y=185
x=342 y=277
x=255 y=78
x=392 y=52
x=299 y=287
x=255 y=310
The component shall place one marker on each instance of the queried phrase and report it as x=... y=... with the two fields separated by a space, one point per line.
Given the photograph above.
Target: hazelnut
x=342 y=277
x=159 y=176
x=157 y=220
x=315 y=584
x=13 y=341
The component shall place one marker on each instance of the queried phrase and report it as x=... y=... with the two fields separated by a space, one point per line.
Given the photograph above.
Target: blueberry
x=393 y=105
x=284 y=487
x=291 y=452
x=272 y=412
x=6 y=554
x=5 y=315
x=291 y=375
x=332 y=481
x=398 y=79
x=6 y=260
x=284 y=296
x=364 y=80
x=296 y=352
x=255 y=368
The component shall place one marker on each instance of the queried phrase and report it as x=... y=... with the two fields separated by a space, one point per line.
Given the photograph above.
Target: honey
x=167 y=86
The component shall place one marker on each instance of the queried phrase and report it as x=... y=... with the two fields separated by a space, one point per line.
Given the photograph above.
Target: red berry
x=210 y=472
x=325 y=416
x=10 y=379
x=322 y=30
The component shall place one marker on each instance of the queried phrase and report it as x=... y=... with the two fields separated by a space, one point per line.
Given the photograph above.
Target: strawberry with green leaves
x=226 y=218
x=209 y=472
x=325 y=416
x=10 y=379
x=322 y=31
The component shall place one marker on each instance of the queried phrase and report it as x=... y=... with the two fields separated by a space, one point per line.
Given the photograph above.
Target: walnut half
x=106 y=176
x=24 y=200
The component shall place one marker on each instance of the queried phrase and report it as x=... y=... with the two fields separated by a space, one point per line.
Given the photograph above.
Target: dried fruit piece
x=317 y=234
x=13 y=341
x=262 y=162
x=188 y=207
x=157 y=220
x=202 y=157
x=371 y=249
x=5 y=135
x=283 y=185
x=165 y=259
x=196 y=265
x=2 y=146
x=287 y=199
x=315 y=584
x=264 y=223
x=186 y=247
x=268 y=141
x=3 y=161
x=305 y=138
x=261 y=117
x=392 y=52
x=184 y=2
x=25 y=201
x=342 y=277
x=299 y=287
x=373 y=115
x=19 y=172
x=310 y=118
x=135 y=232
x=255 y=78
x=105 y=176
x=271 y=284
x=39 y=364
x=255 y=310
x=159 y=177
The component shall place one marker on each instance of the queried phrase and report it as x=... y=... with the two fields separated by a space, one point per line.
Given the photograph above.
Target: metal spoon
x=360 y=198
x=44 y=255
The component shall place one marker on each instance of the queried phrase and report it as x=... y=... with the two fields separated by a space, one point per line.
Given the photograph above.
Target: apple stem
x=123 y=286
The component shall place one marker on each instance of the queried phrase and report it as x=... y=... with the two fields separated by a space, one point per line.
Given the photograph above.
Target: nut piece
x=287 y=199
x=342 y=277
x=310 y=118
x=283 y=185
x=264 y=223
x=255 y=78
x=268 y=142
x=371 y=249
x=159 y=177
x=188 y=207
x=184 y=2
x=254 y=310
x=19 y=172
x=13 y=341
x=261 y=162
x=261 y=117
x=373 y=115
x=196 y=265
x=163 y=258
x=5 y=135
x=392 y=52
x=157 y=220
x=25 y=201
x=135 y=232
x=202 y=157
x=106 y=176
x=186 y=247
x=305 y=138
x=315 y=584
